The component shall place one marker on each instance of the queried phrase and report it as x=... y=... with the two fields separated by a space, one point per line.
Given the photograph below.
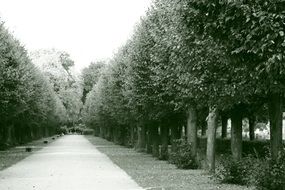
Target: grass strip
x=153 y=174
x=15 y=154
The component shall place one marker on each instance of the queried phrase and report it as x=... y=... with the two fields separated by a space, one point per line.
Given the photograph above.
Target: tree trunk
x=211 y=138
x=149 y=141
x=27 y=130
x=122 y=136
x=132 y=136
x=135 y=135
x=117 y=135
x=19 y=133
x=181 y=131
x=155 y=140
x=224 y=126
x=1 y=133
x=109 y=134
x=10 y=134
x=96 y=131
x=112 y=134
x=46 y=132
x=101 y=132
x=251 y=125
x=141 y=138
x=203 y=129
x=236 y=134
x=275 y=117
x=32 y=133
x=164 y=142
x=174 y=133
x=105 y=131
x=192 y=130
x=174 y=136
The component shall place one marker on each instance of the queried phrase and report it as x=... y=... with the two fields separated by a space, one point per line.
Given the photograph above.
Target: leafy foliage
x=271 y=174
x=185 y=53
x=28 y=104
x=90 y=76
x=58 y=69
x=181 y=155
x=242 y=172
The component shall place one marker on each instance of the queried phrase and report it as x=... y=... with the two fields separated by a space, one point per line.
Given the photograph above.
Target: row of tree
x=190 y=63
x=30 y=108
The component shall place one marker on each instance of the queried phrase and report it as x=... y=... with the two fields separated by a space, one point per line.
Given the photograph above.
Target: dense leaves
x=181 y=156
x=90 y=76
x=271 y=174
x=29 y=107
x=57 y=67
x=184 y=54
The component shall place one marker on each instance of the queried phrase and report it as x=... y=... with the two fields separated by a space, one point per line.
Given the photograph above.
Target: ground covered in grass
x=154 y=174
x=13 y=155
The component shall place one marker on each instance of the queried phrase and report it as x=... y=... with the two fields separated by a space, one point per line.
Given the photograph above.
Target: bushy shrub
x=63 y=130
x=242 y=172
x=76 y=129
x=4 y=146
x=87 y=131
x=181 y=155
x=272 y=174
x=257 y=148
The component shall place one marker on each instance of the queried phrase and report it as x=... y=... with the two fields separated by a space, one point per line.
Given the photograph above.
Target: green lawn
x=13 y=155
x=154 y=174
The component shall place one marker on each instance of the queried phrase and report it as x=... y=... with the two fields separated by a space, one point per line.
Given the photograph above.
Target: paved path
x=69 y=163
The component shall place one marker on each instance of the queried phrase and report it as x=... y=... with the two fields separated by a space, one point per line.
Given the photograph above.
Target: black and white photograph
x=142 y=94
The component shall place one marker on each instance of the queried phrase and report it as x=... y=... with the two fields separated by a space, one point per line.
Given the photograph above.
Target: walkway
x=69 y=163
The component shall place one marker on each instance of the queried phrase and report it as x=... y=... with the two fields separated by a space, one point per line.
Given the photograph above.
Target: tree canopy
x=195 y=55
x=28 y=103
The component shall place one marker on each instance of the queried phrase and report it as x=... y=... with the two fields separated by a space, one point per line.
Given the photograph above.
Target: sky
x=89 y=30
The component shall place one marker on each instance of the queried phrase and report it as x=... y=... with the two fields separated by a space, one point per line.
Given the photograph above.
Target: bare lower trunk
x=9 y=134
x=155 y=141
x=175 y=133
x=101 y=132
x=132 y=136
x=96 y=131
x=236 y=134
x=116 y=135
x=148 y=140
x=123 y=136
x=224 y=126
x=46 y=131
x=275 y=116
x=211 y=138
x=203 y=129
x=109 y=135
x=1 y=133
x=192 y=129
x=251 y=123
x=141 y=138
x=164 y=142
x=174 y=136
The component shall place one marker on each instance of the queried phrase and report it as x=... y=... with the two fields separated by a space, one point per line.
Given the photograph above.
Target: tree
x=253 y=34
x=58 y=68
x=90 y=77
x=29 y=108
x=65 y=61
x=211 y=140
